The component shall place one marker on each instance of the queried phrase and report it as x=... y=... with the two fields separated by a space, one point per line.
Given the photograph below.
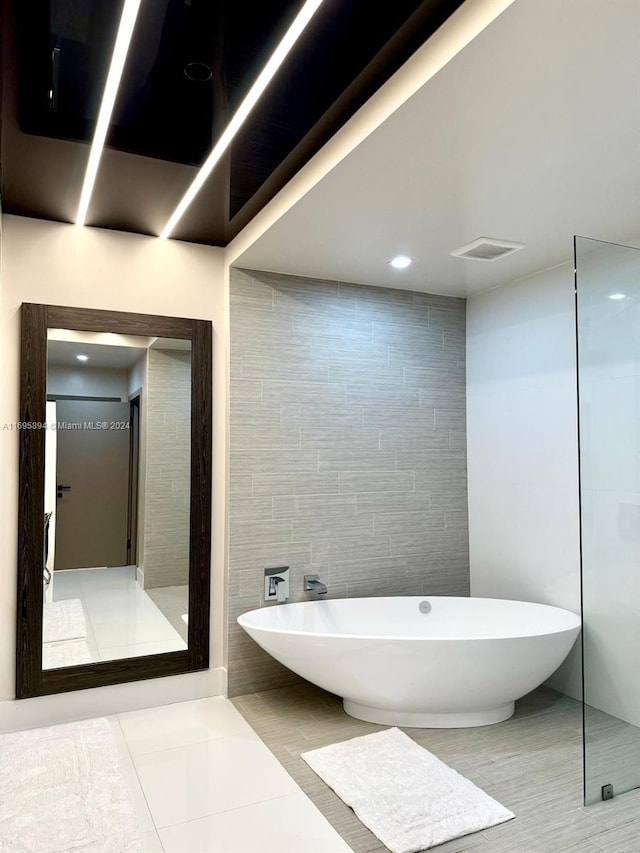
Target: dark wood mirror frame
x=31 y=679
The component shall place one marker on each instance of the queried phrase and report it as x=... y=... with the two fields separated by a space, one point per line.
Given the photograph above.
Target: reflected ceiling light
x=617 y=296
x=123 y=40
x=82 y=357
x=264 y=78
x=401 y=262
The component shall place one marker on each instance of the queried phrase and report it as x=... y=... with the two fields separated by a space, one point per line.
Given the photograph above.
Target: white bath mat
x=67 y=653
x=62 y=789
x=63 y=620
x=405 y=795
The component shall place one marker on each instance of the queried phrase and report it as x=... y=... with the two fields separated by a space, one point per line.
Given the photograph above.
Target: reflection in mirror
x=117 y=497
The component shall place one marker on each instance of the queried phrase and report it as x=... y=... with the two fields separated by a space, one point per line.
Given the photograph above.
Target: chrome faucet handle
x=278 y=587
x=276 y=583
x=274 y=580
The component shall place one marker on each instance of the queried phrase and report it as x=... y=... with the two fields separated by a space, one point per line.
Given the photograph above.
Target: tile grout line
x=135 y=770
x=238 y=808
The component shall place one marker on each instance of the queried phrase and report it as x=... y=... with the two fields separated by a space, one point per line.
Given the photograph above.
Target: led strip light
x=264 y=78
x=120 y=50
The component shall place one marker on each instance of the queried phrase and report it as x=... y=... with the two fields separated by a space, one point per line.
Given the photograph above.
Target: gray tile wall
x=168 y=469
x=348 y=453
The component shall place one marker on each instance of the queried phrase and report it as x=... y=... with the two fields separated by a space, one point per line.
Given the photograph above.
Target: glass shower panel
x=608 y=331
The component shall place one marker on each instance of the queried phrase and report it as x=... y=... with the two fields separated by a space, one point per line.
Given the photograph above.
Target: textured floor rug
x=67 y=653
x=63 y=620
x=62 y=789
x=405 y=795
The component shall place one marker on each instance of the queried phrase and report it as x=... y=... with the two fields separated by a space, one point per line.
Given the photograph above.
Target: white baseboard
x=18 y=714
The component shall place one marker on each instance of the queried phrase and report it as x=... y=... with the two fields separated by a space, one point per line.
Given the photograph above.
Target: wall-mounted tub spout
x=312 y=583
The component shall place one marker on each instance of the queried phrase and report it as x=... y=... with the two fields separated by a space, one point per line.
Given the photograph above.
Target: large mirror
x=115 y=491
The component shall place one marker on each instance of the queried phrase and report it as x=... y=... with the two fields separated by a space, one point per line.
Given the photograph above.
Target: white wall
x=87 y=382
x=522 y=447
x=61 y=264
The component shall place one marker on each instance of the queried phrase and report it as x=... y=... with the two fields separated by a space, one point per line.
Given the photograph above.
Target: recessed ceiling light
x=82 y=357
x=120 y=50
x=264 y=78
x=401 y=262
x=617 y=296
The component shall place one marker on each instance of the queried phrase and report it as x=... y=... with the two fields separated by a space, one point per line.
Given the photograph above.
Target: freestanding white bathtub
x=462 y=663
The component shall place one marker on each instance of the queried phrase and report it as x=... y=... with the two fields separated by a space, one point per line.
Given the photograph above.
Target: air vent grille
x=487 y=249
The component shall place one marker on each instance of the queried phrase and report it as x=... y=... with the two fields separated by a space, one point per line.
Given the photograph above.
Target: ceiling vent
x=487 y=249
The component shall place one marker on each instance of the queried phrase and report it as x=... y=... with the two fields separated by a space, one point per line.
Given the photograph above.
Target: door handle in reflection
x=62 y=489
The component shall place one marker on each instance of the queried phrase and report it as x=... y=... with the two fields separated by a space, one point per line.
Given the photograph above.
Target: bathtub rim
x=404 y=637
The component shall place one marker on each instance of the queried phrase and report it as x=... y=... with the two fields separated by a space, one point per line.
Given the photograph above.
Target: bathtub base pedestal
x=420 y=720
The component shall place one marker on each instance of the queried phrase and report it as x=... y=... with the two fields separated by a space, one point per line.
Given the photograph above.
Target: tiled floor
x=173 y=601
x=613 y=754
x=202 y=781
x=122 y=620
x=531 y=763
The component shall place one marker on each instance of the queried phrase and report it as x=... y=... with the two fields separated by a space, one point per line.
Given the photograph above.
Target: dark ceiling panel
x=344 y=39
x=190 y=64
x=40 y=176
x=64 y=49
x=253 y=184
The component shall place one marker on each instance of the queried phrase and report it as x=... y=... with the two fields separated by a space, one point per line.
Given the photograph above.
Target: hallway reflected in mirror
x=117 y=497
